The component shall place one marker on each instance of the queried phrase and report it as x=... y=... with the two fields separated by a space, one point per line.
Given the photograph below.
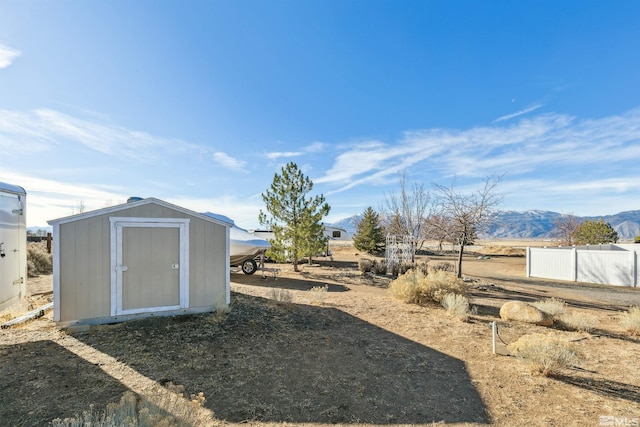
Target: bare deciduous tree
x=565 y=227
x=406 y=211
x=438 y=228
x=467 y=214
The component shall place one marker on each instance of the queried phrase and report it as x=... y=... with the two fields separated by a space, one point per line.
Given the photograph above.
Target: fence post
x=575 y=264
x=634 y=268
x=48 y=243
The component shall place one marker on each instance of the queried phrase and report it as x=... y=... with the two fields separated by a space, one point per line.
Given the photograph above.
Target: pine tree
x=594 y=232
x=369 y=237
x=295 y=219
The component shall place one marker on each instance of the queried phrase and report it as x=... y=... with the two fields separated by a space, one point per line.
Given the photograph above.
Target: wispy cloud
x=49 y=198
x=518 y=113
x=275 y=155
x=549 y=143
x=314 y=147
x=229 y=162
x=7 y=55
x=45 y=129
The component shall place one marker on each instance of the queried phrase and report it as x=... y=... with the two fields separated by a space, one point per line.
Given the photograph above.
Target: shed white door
x=150 y=267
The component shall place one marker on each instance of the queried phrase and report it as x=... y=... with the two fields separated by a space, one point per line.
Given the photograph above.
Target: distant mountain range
x=533 y=224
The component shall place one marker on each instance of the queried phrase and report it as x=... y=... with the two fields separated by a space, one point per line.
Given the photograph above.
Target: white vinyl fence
x=604 y=264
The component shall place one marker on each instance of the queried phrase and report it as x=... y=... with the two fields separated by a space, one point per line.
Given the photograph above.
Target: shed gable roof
x=143 y=202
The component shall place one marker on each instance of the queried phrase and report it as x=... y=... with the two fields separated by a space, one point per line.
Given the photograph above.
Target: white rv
x=13 y=244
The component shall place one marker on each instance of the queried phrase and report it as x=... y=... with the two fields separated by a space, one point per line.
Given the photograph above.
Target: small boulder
x=523 y=312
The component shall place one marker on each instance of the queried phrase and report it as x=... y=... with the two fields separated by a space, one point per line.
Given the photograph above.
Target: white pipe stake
x=494 y=332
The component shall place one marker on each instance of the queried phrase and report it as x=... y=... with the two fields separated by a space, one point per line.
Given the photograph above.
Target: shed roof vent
x=134 y=199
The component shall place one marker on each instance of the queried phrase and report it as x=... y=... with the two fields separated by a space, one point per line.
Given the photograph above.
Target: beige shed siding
x=85 y=269
x=85 y=262
x=207 y=273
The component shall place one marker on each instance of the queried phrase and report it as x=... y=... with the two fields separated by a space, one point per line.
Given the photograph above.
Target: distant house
x=13 y=244
x=336 y=233
x=143 y=258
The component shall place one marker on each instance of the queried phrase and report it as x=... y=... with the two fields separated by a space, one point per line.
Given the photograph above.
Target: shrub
x=630 y=320
x=414 y=287
x=399 y=269
x=318 y=294
x=281 y=295
x=457 y=306
x=39 y=261
x=407 y=287
x=422 y=267
x=442 y=266
x=404 y=267
x=552 y=306
x=172 y=409
x=579 y=321
x=365 y=265
x=380 y=267
x=546 y=355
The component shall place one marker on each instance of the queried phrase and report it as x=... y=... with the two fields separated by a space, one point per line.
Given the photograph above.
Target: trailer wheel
x=249 y=267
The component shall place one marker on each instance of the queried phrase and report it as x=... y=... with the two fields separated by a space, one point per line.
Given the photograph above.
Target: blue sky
x=199 y=103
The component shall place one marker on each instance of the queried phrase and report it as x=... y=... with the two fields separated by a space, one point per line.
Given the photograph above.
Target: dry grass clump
x=416 y=288
x=171 y=410
x=442 y=266
x=457 y=306
x=39 y=261
x=554 y=307
x=318 y=294
x=582 y=322
x=281 y=295
x=630 y=320
x=546 y=355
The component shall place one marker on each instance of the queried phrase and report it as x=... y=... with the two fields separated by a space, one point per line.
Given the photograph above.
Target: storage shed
x=143 y=258
x=13 y=244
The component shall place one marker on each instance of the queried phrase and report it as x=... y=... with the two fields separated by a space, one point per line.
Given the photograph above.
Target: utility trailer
x=13 y=244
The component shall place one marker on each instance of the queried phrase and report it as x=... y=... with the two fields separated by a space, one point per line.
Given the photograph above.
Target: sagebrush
x=416 y=288
x=554 y=307
x=457 y=306
x=318 y=294
x=380 y=267
x=442 y=266
x=365 y=265
x=39 y=261
x=172 y=409
x=630 y=320
x=398 y=269
x=281 y=295
x=547 y=355
x=576 y=321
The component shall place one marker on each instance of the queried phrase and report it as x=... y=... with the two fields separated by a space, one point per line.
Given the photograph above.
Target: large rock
x=523 y=312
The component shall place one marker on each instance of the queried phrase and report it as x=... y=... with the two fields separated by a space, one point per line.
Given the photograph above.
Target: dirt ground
x=349 y=354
